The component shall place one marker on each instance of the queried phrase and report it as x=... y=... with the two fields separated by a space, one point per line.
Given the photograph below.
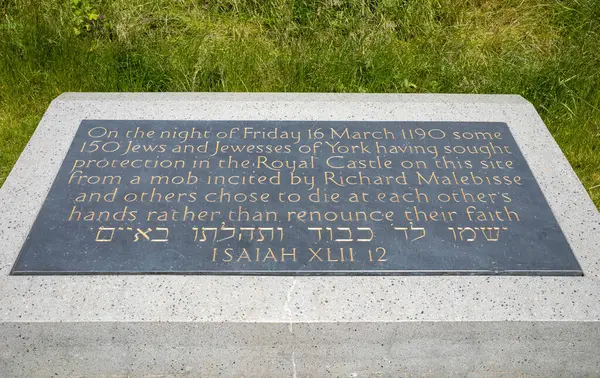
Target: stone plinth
x=205 y=325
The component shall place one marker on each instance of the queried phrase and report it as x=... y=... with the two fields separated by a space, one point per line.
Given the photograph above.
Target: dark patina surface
x=407 y=243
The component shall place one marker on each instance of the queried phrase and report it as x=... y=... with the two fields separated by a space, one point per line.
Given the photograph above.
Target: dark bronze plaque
x=268 y=197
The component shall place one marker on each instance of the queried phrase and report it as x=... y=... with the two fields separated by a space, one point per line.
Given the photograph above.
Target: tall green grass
x=546 y=50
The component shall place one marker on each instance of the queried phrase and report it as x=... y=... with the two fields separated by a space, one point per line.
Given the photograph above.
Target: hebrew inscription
x=295 y=197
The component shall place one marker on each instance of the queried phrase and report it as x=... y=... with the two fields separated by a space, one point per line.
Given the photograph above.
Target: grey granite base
x=358 y=349
x=298 y=326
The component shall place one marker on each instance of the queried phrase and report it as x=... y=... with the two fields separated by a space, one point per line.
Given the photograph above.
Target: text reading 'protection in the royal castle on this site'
x=295 y=197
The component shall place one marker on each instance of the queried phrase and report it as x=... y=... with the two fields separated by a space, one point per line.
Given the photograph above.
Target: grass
x=546 y=50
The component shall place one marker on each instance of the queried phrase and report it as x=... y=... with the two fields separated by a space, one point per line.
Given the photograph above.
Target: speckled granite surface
x=303 y=326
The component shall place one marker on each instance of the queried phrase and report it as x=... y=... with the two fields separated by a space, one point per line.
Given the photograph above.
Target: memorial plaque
x=295 y=197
